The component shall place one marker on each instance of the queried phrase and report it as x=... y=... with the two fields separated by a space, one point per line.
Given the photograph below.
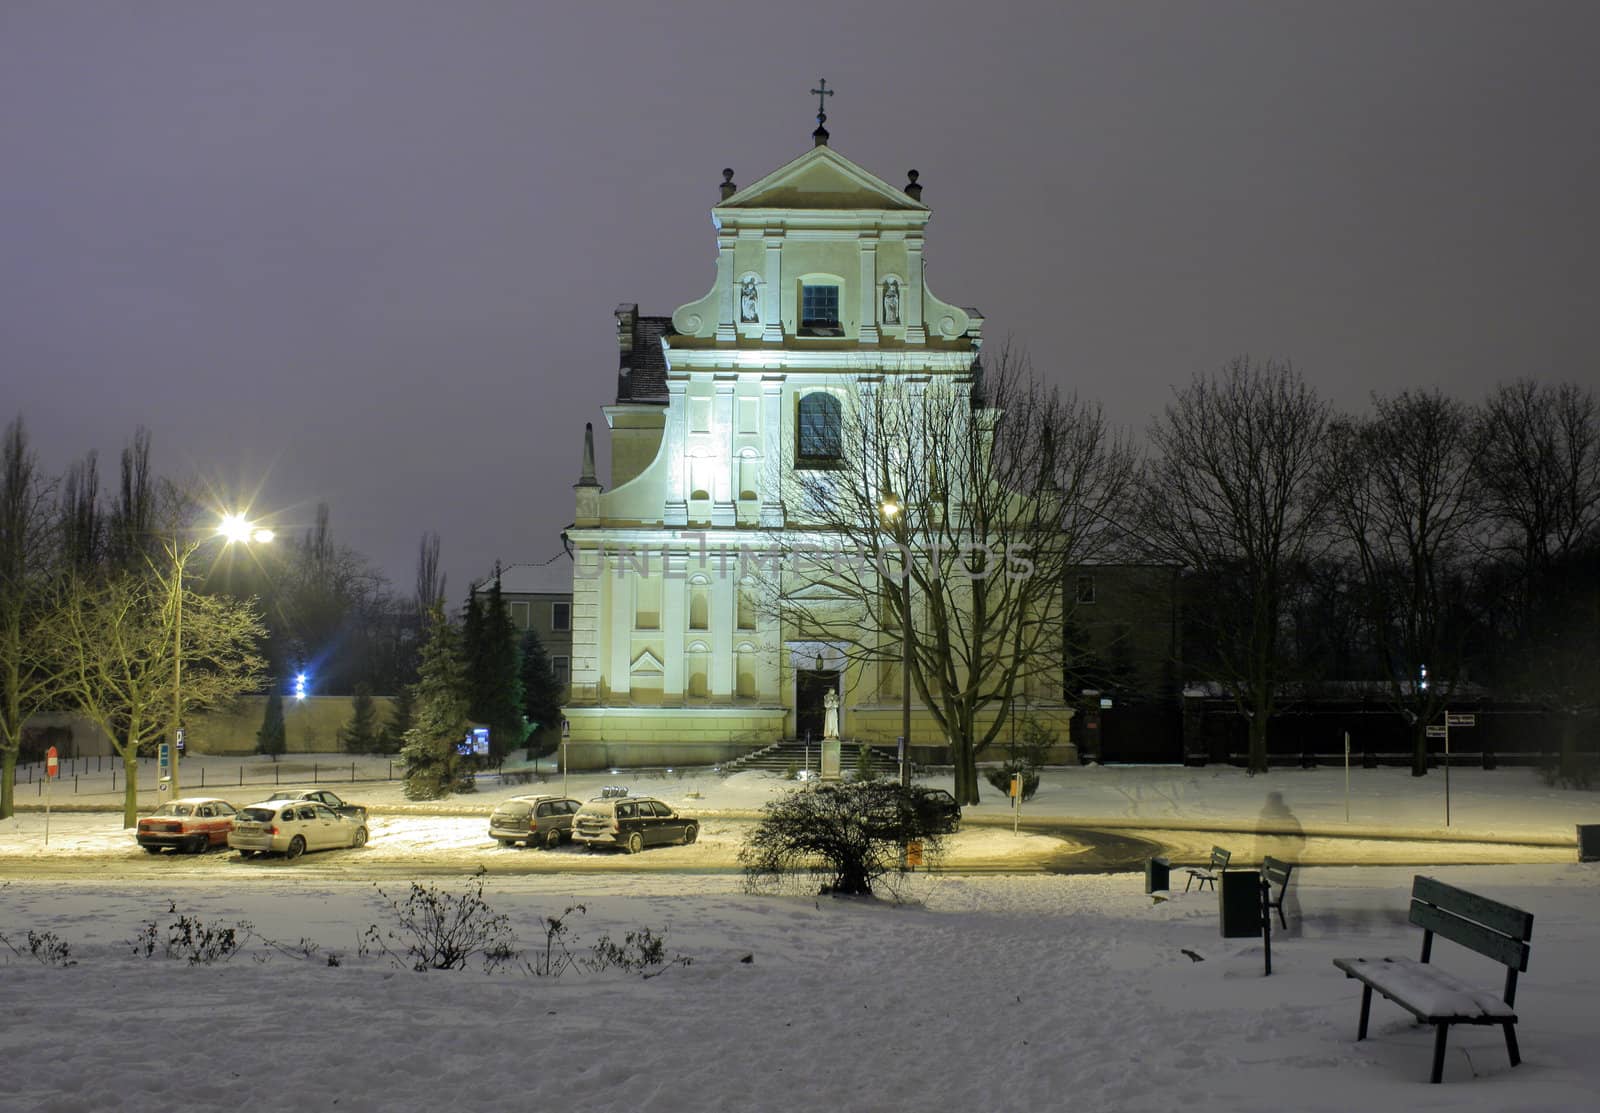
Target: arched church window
x=700 y=604
x=821 y=438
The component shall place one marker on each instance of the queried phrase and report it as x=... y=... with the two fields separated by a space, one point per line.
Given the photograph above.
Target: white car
x=292 y=827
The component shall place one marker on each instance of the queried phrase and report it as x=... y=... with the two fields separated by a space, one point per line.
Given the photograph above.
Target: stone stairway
x=780 y=756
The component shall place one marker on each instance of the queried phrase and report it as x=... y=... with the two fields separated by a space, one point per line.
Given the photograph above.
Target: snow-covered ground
x=969 y=993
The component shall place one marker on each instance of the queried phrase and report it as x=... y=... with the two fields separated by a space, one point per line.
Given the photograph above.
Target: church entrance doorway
x=810 y=686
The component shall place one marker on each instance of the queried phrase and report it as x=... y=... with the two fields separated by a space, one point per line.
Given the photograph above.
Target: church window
x=697 y=671
x=699 y=605
x=745 y=670
x=820 y=437
x=819 y=310
x=749 y=476
x=747 y=605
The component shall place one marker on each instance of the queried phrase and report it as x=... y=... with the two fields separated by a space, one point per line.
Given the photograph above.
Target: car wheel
x=297 y=847
x=507 y=842
x=247 y=854
x=690 y=833
x=152 y=850
x=635 y=843
x=552 y=838
x=199 y=844
x=360 y=839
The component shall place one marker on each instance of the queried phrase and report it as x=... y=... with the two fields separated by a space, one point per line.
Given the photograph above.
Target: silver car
x=292 y=827
x=533 y=820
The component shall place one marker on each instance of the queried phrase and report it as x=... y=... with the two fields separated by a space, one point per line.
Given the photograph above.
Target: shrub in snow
x=851 y=834
x=435 y=930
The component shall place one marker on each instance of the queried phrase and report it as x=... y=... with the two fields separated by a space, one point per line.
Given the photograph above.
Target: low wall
x=311 y=726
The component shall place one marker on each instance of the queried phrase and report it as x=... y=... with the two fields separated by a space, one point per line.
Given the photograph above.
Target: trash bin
x=1157 y=872
x=1239 y=903
x=1589 y=842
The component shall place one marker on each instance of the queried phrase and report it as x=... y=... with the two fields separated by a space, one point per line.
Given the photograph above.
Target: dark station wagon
x=632 y=823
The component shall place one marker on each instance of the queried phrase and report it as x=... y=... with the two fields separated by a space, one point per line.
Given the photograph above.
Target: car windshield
x=256 y=815
x=175 y=809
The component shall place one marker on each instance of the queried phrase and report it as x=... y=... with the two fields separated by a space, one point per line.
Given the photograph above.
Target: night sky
x=367 y=252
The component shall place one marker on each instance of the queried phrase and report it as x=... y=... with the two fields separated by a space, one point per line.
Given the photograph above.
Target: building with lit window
x=819 y=287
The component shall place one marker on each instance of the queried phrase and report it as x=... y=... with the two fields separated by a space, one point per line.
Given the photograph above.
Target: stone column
x=727 y=291
x=676 y=510
x=911 y=296
x=620 y=589
x=723 y=511
x=771 y=454
x=868 y=332
x=674 y=590
x=772 y=296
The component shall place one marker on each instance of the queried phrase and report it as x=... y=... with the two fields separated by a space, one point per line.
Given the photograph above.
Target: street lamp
x=893 y=514
x=232 y=528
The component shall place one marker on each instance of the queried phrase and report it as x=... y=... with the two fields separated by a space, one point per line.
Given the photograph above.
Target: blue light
x=300 y=686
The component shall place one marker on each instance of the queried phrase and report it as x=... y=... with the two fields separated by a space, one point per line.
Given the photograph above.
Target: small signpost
x=1451 y=719
x=164 y=766
x=1016 y=801
x=52 y=770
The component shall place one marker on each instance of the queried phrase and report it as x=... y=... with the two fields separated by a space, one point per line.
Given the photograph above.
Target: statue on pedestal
x=830 y=715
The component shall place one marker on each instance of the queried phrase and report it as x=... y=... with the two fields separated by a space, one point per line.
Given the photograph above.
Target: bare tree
x=82 y=531
x=430 y=581
x=1539 y=467
x=26 y=680
x=1232 y=495
x=114 y=641
x=1401 y=486
x=983 y=490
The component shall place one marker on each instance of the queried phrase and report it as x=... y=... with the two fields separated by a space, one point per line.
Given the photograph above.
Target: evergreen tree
x=499 y=679
x=394 y=731
x=271 y=739
x=541 y=696
x=361 y=734
x=439 y=716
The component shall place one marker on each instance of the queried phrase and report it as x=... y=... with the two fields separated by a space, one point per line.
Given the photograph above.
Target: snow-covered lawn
x=995 y=993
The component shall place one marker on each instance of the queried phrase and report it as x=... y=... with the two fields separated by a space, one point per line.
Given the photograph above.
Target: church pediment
x=822 y=179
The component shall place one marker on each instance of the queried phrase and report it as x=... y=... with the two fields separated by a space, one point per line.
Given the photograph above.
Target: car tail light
x=533 y=823
x=273 y=829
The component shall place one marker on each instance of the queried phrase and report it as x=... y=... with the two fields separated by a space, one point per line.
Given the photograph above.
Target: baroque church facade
x=676 y=658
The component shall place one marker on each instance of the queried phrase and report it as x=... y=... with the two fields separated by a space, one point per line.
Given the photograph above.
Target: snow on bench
x=1436 y=996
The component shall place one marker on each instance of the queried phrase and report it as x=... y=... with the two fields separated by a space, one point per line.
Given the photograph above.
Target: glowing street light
x=232 y=528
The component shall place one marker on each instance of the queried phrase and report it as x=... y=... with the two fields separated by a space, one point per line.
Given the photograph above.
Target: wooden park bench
x=1276 y=873
x=1210 y=872
x=1434 y=996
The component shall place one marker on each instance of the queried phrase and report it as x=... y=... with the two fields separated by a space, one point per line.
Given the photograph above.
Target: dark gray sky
x=367 y=252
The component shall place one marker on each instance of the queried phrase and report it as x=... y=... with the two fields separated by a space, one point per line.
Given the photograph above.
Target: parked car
x=194 y=824
x=632 y=823
x=292 y=827
x=356 y=812
x=533 y=820
x=938 y=808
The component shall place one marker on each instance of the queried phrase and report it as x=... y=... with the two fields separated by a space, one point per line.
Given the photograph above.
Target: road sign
x=52 y=763
x=1438 y=732
x=1460 y=720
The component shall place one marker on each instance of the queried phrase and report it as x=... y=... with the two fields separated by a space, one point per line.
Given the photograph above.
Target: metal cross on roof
x=820 y=93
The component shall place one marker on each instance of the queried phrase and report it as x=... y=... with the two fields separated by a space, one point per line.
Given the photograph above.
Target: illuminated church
x=819 y=285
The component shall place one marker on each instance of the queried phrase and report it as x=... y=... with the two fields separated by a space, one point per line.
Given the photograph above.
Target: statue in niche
x=891 y=301
x=749 y=310
x=830 y=715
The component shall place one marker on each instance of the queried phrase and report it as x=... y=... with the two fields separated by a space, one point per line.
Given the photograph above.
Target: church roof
x=822 y=178
x=642 y=373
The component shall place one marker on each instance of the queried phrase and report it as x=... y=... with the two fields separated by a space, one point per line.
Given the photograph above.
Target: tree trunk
x=1258 y=742
x=1419 y=748
x=8 y=783
x=130 y=788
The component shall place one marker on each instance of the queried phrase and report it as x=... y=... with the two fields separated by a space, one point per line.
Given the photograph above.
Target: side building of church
x=676 y=656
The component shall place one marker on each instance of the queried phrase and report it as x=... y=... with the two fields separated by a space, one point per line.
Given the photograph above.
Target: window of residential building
x=819 y=310
x=519 y=615
x=820 y=437
x=1086 y=589
x=562 y=666
x=560 y=616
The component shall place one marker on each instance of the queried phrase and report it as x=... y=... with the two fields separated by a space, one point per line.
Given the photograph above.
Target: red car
x=195 y=824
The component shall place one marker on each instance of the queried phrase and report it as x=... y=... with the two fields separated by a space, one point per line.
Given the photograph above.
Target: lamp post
x=233 y=527
x=892 y=513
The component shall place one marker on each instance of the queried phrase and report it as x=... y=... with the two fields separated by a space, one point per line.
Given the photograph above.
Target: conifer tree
x=394 y=731
x=499 y=678
x=439 y=720
x=541 y=696
x=361 y=735
x=271 y=739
